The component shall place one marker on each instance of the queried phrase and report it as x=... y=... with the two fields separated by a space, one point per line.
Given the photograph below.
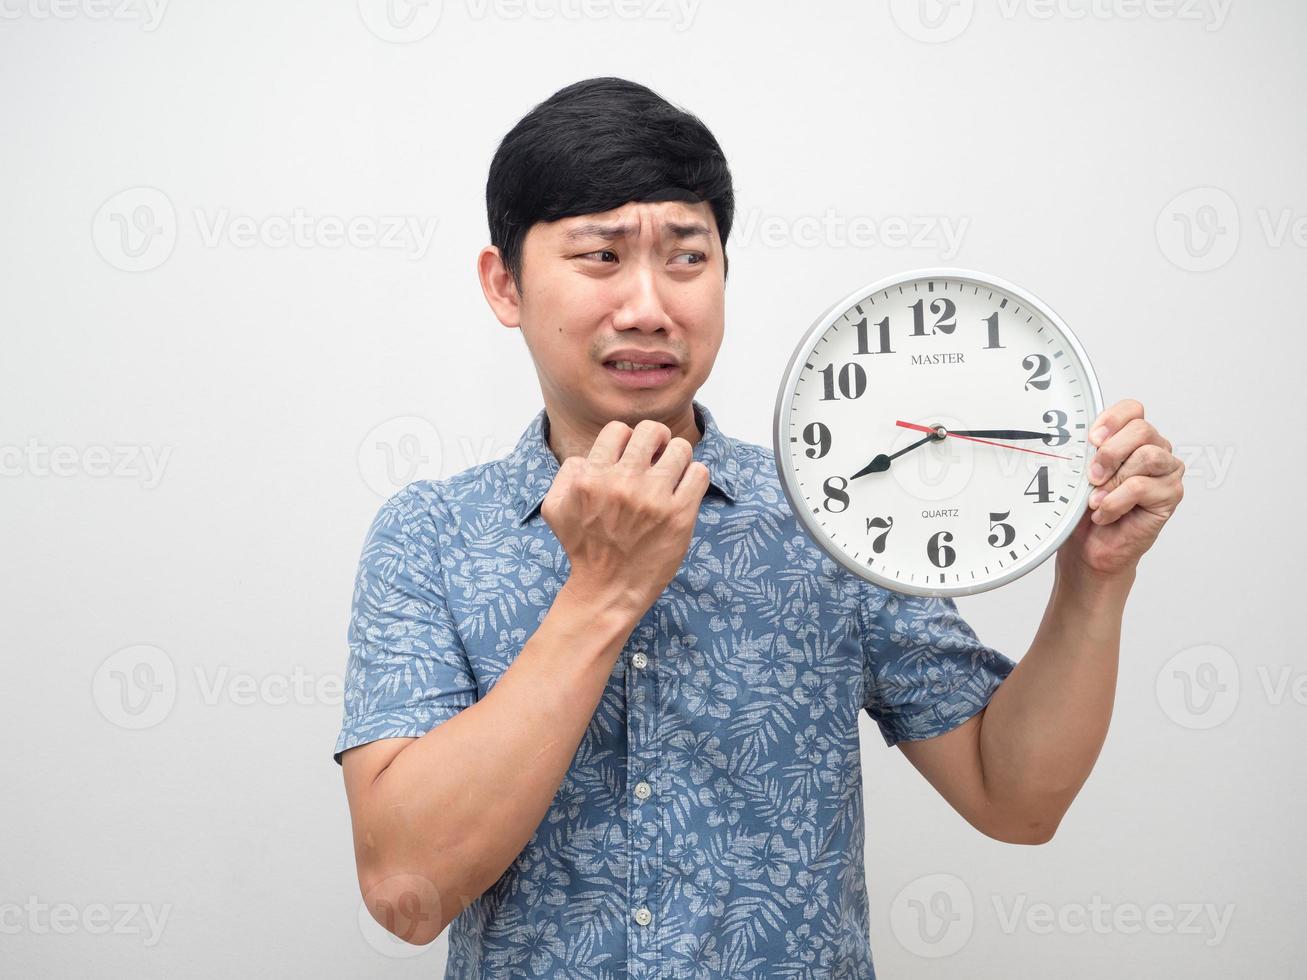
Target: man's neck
x=575 y=438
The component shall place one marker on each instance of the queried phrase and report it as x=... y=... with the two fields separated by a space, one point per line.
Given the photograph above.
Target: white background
x=1064 y=139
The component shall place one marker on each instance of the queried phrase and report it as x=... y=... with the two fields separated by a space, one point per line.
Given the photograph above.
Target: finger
x=1148 y=492
x=1118 y=448
x=560 y=488
x=648 y=437
x=1148 y=460
x=693 y=485
x=676 y=455
x=1112 y=419
x=610 y=443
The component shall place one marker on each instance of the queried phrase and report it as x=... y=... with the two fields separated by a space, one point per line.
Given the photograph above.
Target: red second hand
x=987 y=442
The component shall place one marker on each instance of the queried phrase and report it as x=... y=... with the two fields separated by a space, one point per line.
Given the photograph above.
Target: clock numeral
x=1041 y=494
x=1043 y=369
x=834 y=487
x=1009 y=532
x=991 y=321
x=853 y=381
x=861 y=327
x=946 y=323
x=1060 y=434
x=878 y=543
x=938 y=551
x=817 y=436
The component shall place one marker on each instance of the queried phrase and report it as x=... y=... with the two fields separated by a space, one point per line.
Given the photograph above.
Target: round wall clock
x=931 y=432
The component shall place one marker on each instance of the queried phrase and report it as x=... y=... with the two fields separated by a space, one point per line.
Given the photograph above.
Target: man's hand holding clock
x=1139 y=484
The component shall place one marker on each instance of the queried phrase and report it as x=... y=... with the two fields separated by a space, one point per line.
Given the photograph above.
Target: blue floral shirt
x=711 y=822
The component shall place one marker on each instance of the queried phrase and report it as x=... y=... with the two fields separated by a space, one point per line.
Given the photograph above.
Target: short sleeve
x=407 y=668
x=928 y=672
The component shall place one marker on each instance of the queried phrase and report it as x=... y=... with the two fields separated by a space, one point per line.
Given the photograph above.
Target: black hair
x=594 y=146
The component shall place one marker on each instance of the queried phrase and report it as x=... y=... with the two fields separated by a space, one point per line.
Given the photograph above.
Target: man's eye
x=697 y=256
x=601 y=252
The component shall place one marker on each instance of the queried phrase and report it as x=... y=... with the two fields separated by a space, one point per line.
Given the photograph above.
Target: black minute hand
x=1001 y=433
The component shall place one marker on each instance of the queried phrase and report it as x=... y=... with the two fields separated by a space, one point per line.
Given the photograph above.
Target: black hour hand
x=881 y=462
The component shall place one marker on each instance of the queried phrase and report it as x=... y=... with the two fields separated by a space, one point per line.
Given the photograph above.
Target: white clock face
x=931 y=432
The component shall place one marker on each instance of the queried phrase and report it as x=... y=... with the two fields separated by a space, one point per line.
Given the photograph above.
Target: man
x=603 y=694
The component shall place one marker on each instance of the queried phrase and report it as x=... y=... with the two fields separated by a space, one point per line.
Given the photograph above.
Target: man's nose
x=641 y=306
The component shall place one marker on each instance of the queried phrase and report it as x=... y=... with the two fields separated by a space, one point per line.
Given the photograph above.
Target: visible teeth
x=632 y=366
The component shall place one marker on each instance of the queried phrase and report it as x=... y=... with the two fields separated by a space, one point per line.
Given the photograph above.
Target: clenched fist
x=625 y=520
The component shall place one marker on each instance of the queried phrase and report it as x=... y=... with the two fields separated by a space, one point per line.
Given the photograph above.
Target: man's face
x=642 y=282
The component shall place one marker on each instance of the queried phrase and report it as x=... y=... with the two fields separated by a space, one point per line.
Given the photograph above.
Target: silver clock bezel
x=785 y=395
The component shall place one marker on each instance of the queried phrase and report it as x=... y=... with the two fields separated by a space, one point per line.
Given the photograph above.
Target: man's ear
x=497 y=284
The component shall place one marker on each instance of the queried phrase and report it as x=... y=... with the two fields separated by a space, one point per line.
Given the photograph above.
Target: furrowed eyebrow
x=607 y=232
x=611 y=233
x=680 y=231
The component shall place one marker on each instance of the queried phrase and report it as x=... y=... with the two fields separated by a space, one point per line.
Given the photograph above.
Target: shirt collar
x=531 y=467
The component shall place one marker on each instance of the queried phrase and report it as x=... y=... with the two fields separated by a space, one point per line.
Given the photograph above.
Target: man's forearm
x=456 y=807
x=1045 y=725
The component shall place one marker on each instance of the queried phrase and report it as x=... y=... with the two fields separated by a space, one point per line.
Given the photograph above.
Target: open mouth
x=642 y=374
x=636 y=365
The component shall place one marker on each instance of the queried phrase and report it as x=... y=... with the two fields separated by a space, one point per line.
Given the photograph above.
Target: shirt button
x=643 y=916
x=639 y=661
x=642 y=790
